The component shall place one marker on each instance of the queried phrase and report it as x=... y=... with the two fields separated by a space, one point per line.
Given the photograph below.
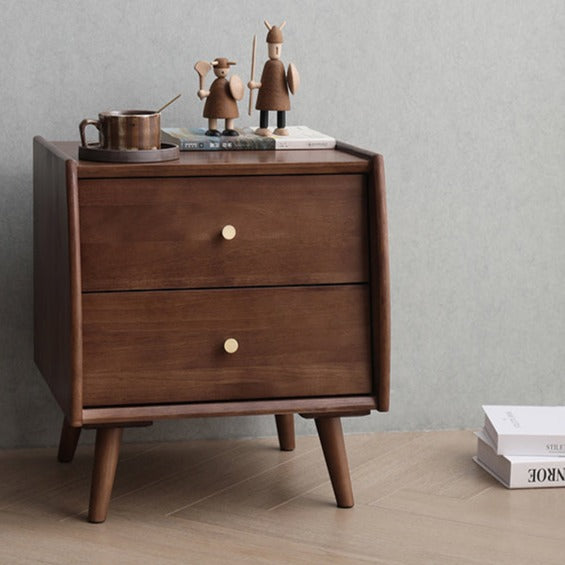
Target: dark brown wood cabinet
x=224 y=283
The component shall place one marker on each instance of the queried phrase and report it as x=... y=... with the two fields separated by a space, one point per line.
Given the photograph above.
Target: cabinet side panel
x=380 y=282
x=379 y=273
x=53 y=311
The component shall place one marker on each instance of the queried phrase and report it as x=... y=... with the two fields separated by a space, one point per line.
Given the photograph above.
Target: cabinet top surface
x=341 y=160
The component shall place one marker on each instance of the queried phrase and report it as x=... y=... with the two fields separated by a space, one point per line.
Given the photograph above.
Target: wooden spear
x=253 y=50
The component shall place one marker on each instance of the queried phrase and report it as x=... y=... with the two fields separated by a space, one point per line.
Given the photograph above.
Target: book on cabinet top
x=526 y=430
x=195 y=139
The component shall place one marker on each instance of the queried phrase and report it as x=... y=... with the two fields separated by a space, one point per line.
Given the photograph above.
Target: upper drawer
x=167 y=232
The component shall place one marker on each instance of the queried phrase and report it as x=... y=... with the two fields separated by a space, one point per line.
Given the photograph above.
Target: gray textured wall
x=466 y=101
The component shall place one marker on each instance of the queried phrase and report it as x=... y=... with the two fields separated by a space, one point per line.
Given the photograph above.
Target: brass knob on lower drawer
x=231 y=345
x=228 y=232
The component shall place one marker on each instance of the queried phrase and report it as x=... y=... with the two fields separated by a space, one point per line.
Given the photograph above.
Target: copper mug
x=125 y=130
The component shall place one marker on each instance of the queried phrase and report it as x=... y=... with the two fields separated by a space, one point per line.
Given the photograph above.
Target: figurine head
x=221 y=66
x=274 y=40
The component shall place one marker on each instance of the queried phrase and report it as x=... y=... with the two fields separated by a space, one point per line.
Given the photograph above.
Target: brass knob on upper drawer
x=228 y=232
x=231 y=345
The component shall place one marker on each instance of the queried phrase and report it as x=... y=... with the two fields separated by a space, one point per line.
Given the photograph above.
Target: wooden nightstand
x=221 y=284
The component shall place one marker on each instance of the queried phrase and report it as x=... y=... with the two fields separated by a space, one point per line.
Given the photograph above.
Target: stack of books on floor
x=523 y=446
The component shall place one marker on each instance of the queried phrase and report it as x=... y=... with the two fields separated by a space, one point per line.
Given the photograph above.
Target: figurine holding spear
x=274 y=84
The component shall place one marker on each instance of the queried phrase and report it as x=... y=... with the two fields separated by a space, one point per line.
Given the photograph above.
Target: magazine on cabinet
x=195 y=139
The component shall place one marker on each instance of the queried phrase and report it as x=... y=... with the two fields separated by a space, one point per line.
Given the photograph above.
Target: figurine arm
x=253 y=84
x=202 y=68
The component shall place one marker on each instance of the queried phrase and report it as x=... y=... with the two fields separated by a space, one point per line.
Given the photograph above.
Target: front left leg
x=106 y=455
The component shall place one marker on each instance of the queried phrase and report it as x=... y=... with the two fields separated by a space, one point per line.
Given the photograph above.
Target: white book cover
x=302 y=137
x=526 y=430
x=519 y=471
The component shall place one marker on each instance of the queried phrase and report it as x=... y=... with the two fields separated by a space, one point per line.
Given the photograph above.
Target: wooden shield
x=236 y=87
x=293 y=78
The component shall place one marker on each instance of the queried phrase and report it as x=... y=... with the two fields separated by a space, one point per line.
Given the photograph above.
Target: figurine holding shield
x=221 y=99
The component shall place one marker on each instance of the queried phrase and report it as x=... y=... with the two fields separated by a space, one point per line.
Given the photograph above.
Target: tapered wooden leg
x=105 y=462
x=333 y=446
x=68 y=442
x=285 y=431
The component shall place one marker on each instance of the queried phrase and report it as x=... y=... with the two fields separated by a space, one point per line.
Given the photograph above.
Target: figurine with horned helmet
x=221 y=99
x=274 y=84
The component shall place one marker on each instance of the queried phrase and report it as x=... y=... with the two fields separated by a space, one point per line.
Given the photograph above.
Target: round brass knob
x=231 y=345
x=228 y=232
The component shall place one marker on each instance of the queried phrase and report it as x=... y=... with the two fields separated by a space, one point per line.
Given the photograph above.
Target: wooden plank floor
x=419 y=499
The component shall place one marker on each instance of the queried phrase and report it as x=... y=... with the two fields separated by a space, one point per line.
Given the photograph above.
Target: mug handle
x=82 y=127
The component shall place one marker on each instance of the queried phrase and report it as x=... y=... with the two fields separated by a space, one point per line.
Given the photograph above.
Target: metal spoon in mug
x=168 y=103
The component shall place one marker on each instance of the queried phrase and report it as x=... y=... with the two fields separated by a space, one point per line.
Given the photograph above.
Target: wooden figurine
x=274 y=84
x=221 y=99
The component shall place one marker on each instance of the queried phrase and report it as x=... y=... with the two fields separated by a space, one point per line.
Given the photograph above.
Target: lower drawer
x=170 y=346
